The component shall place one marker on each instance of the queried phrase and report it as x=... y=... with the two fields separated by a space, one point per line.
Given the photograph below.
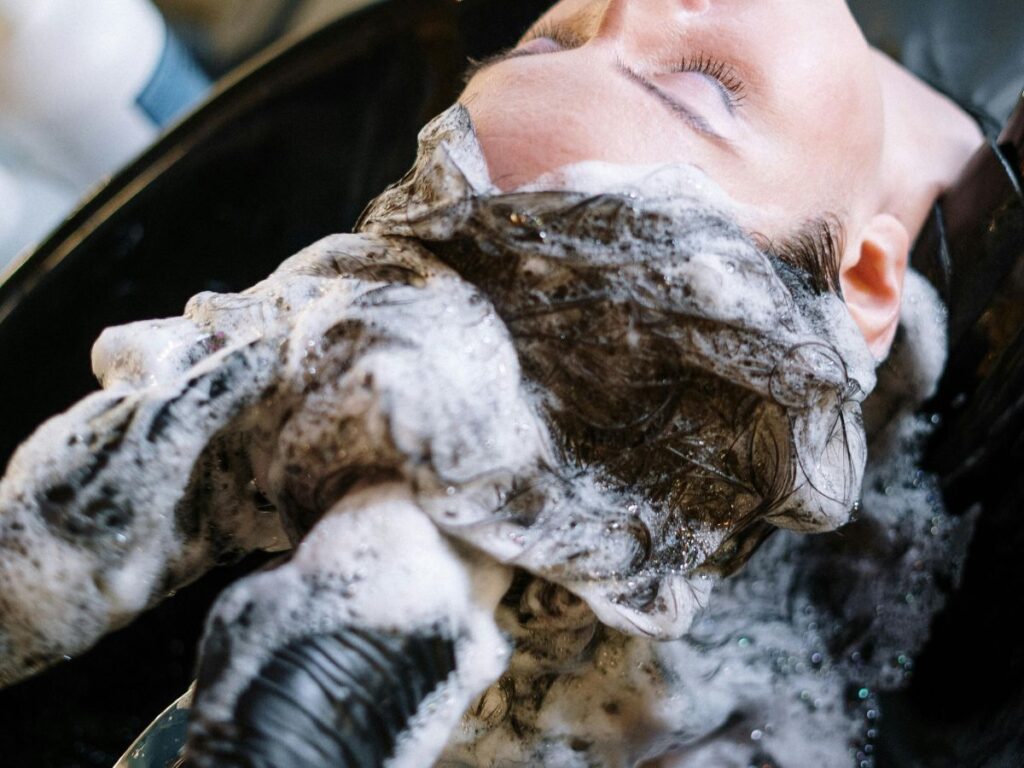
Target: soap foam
x=557 y=382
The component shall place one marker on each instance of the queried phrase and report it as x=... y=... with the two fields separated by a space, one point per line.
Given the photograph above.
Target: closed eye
x=721 y=74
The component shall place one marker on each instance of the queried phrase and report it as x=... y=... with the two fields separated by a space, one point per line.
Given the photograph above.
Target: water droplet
x=863 y=693
x=756 y=734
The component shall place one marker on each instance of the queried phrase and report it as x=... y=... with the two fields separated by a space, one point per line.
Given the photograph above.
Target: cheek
x=853 y=145
x=835 y=112
x=829 y=142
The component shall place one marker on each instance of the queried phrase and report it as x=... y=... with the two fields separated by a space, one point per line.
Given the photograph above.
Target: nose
x=640 y=23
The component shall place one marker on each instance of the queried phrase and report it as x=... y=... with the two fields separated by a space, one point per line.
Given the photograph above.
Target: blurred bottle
x=87 y=84
x=223 y=33
x=31 y=204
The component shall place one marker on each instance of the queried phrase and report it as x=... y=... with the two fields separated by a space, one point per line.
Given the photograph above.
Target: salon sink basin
x=288 y=149
x=973 y=52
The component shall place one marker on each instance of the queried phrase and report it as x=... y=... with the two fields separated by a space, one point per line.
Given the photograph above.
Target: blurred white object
x=85 y=86
x=313 y=14
x=226 y=32
x=31 y=204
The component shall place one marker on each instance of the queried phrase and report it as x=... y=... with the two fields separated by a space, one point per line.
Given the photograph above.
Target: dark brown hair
x=815 y=249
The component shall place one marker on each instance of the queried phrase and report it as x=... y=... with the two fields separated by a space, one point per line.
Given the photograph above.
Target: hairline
x=815 y=248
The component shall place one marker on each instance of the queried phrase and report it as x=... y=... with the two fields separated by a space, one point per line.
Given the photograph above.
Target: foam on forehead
x=595 y=177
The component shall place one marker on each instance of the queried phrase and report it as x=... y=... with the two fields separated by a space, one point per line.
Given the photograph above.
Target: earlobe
x=871 y=276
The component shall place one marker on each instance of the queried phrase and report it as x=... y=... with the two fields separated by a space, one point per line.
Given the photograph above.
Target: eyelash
x=719 y=71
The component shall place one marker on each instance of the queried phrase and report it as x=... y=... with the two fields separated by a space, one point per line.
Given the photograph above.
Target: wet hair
x=697 y=384
x=815 y=249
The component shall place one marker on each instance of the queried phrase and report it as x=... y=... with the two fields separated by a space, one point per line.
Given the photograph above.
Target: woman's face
x=778 y=101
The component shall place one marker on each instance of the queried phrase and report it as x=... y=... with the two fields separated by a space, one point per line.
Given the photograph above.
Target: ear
x=871 y=275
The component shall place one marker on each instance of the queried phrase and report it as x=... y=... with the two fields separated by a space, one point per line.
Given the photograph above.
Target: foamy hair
x=608 y=389
x=645 y=321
